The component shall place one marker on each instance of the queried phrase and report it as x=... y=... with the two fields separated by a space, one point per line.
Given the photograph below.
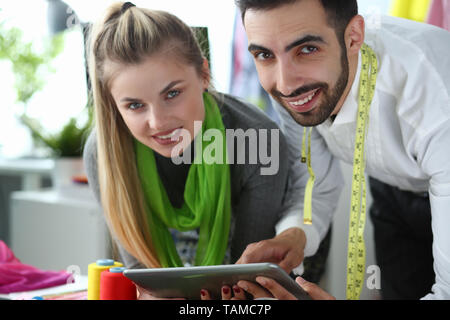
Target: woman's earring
x=206 y=90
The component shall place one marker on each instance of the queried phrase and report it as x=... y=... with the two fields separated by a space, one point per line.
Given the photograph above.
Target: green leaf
x=27 y=65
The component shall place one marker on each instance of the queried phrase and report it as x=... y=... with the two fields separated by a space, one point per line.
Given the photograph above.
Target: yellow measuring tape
x=307 y=206
x=356 y=256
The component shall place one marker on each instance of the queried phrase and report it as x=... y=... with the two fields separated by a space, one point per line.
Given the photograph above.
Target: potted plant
x=65 y=146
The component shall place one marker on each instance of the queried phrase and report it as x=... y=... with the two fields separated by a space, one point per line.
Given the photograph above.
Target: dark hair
x=339 y=12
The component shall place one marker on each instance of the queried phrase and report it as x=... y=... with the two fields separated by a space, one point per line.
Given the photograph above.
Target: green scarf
x=207 y=198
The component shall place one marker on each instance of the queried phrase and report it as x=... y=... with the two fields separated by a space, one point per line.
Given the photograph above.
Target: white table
x=55 y=232
x=80 y=284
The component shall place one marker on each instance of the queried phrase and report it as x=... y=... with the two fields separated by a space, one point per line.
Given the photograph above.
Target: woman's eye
x=135 y=106
x=308 y=50
x=172 y=94
x=263 y=56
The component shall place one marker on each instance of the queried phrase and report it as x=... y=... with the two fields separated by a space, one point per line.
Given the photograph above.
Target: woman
x=150 y=87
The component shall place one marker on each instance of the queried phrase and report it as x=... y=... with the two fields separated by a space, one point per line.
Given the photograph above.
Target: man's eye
x=263 y=56
x=308 y=50
x=172 y=94
x=135 y=105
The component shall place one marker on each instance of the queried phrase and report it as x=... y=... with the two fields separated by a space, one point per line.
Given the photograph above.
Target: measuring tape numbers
x=356 y=255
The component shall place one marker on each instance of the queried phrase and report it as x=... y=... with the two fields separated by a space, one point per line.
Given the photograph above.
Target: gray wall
x=8 y=184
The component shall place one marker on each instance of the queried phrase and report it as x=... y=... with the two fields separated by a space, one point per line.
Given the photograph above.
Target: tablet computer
x=186 y=282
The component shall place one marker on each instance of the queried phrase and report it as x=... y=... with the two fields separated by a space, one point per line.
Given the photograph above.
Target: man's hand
x=286 y=250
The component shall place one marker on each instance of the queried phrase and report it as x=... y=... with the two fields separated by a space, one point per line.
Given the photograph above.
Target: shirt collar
x=347 y=114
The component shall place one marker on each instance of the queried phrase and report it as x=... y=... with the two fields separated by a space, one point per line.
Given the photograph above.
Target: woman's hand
x=228 y=293
x=269 y=288
x=143 y=294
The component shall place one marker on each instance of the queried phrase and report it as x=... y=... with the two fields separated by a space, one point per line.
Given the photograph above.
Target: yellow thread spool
x=94 y=271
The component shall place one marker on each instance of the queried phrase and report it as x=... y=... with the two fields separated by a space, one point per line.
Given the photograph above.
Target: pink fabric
x=439 y=14
x=17 y=277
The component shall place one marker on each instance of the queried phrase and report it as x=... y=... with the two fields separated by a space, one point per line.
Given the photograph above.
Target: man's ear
x=206 y=74
x=355 y=35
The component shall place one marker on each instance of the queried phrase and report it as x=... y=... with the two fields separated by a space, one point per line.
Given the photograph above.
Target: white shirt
x=408 y=138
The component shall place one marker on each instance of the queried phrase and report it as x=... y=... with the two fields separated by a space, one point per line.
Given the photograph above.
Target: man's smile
x=304 y=103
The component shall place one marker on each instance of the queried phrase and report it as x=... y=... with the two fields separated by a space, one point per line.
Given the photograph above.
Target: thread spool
x=94 y=271
x=115 y=286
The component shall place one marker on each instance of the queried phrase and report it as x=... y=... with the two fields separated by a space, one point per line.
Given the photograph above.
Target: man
x=308 y=57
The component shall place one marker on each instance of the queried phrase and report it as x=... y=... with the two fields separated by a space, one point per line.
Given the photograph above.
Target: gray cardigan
x=257 y=200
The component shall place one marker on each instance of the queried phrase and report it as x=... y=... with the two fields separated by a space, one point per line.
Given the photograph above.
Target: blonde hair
x=126 y=38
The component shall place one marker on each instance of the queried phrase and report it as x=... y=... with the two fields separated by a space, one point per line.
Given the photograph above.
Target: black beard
x=330 y=97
